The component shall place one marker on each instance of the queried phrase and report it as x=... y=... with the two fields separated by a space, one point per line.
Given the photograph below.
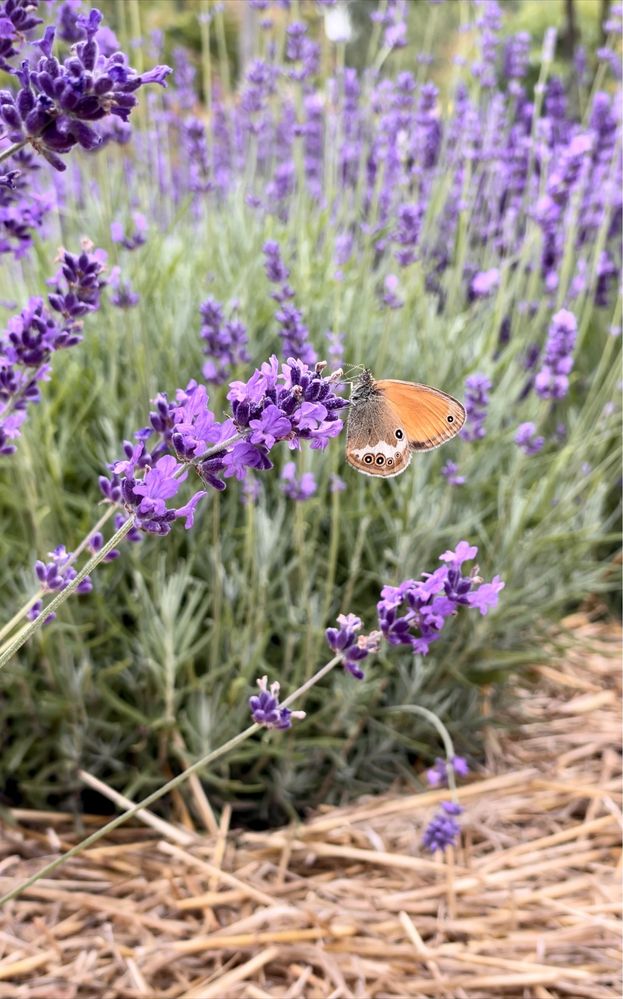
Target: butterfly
x=389 y=420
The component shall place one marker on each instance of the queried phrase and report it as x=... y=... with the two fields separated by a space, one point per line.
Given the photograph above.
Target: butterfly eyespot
x=368 y=458
x=399 y=434
x=380 y=460
x=450 y=419
x=390 y=461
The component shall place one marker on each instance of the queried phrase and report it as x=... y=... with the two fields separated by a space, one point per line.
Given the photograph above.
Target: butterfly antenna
x=352 y=371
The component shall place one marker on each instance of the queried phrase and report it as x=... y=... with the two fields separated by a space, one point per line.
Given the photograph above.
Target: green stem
x=169 y=786
x=15 y=148
x=206 y=68
x=221 y=42
x=13 y=646
x=21 y=613
x=448 y=745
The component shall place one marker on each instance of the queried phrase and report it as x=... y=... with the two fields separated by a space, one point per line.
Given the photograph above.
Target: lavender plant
x=451 y=233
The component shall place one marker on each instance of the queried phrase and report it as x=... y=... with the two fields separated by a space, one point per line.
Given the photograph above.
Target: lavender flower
x=68 y=26
x=443 y=830
x=303 y=53
x=55 y=575
x=527 y=439
x=407 y=232
x=133 y=240
x=484 y=283
x=390 y=296
x=225 y=342
x=571 y=162
x=293 y=403
x=57 y=102
x=489 y=22
x=552 y=381
x=78 y=284
x=294 y=488
x=393 y=20
x=17 y=21
x=266 y=710
x=354 y=648
x=516 y=57
x=415 y=612
x=31 y=338
x=449 y=471
x=122 y=295
x=294 y=334
x=437 y=775
x=477 y=388
x=276 y=270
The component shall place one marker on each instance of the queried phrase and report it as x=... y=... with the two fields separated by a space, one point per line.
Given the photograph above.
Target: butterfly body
x=390 y=419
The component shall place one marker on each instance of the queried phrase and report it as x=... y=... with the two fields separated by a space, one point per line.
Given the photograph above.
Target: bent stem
x=448 y=745
x=169 y=786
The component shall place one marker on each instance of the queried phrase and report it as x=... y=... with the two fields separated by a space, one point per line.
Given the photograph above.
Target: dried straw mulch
x=346 y=905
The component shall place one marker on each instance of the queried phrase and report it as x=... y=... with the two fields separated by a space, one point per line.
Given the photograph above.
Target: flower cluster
x=292 y=329
x=266 y=709
x=484 y=283
x=58 y=102
x=393 y=18
x=552 y=381
x=528 y=439
x=443 y=830
x=450 y=471
x=131 y=240
x=353 y=648
x=55 y=575
x=225 y=342
x=289 y=402
x=477 y=389
x=296 y=488
x=17 y=21
x=390 y=293
x=31 y=337
x=121 y=292
x=84 y=100
x=437 y=775
x=415 y=612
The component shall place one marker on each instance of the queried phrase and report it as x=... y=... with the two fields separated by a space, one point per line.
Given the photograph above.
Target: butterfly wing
x=376 y=442
x=429 y=417
x=381 y=458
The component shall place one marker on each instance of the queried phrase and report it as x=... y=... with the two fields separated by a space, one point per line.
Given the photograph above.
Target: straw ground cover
x=342 y=905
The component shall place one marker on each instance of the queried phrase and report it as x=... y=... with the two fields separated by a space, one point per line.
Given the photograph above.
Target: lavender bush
x=460 y=228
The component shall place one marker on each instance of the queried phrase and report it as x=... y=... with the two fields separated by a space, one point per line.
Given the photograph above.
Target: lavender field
x=429 y=190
